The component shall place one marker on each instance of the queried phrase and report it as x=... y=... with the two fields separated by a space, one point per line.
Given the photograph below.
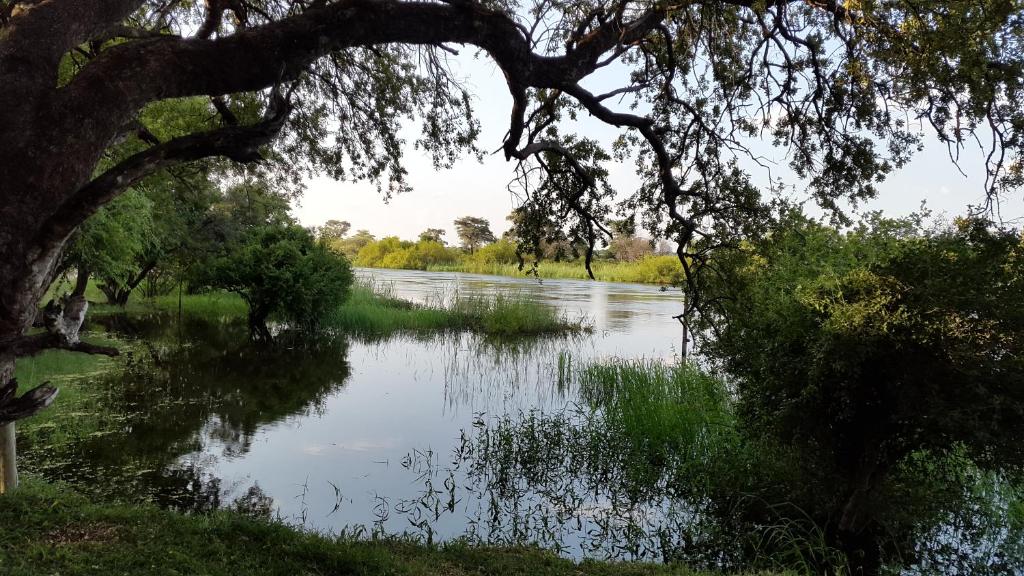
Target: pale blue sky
x=479 y=189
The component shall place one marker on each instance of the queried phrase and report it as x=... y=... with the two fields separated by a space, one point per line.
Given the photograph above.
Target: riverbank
x=657 y=270
x=372 y=308
x=52 y=530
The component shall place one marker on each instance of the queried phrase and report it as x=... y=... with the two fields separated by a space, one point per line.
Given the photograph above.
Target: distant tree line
x=479 y=246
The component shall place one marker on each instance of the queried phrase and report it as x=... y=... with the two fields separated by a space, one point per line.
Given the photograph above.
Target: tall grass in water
x=677 y=410
x=372 y=308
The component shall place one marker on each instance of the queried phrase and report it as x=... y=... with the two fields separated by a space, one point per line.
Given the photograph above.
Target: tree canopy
x=280 y=269
x=473 y=232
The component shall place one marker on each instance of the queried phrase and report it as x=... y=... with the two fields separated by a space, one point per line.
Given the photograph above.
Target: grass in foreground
x=49 y=530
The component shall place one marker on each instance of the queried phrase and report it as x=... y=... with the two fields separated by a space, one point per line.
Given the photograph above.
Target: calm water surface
x=351 y=432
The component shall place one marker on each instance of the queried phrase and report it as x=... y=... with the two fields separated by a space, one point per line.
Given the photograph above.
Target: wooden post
x=8 y=459
x=686 y=332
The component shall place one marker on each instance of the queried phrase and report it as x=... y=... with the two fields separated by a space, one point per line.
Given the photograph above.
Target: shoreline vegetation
x=57 y=529
x=373 y=308
x=499 y=259
x=661 y=270
x=54 y=530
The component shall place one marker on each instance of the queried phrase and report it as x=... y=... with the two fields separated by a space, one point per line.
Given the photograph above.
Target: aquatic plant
x=372 y=308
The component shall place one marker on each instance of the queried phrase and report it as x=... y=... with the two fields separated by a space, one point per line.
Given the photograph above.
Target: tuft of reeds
x=676 y=411
x=373 y=309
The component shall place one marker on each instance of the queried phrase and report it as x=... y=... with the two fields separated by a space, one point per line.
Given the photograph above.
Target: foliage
x=111 y=241
x=627 y=248
x=433 y=234
x=390 y=252
x=501 y=252
x=333 y=230
x=500 y=258
x=282 y=270
x=863 y=350
x=351 y=246
x=473 y=232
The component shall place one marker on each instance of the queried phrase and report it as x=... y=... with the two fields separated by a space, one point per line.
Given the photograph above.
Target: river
x=358 y=435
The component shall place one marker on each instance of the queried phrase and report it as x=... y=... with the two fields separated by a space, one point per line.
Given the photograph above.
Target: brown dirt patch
x=82 y=533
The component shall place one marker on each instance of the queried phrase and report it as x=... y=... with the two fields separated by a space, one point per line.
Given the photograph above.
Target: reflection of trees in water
x=563 y=482
x=568 y=482
x=199 y=382
x=485 y=374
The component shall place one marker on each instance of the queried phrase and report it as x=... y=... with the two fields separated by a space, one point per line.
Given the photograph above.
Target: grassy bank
x=49 y=530
x=499 y=258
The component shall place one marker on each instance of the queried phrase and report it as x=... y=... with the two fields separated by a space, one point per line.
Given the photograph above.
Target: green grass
x=373 y=309
x=58 y=366
x=674 y=409
x=663 y=270
x=51 y=530
x=211 y=305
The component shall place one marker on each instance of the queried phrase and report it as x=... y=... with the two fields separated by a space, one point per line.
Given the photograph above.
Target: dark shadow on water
x=192 y=388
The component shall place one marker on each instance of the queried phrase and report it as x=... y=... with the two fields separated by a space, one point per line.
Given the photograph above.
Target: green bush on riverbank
x=52 y=530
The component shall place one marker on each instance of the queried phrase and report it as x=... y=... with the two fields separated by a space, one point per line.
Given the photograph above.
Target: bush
x=372 y=255
x=863 y=351
x=281 y=270
x=500 y=252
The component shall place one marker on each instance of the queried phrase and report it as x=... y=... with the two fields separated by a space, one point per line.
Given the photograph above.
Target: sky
x=472 y=188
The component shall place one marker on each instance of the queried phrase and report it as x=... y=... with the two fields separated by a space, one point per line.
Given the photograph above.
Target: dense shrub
x=281 y=270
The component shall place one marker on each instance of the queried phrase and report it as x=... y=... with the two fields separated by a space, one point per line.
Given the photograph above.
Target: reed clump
x=373 y=308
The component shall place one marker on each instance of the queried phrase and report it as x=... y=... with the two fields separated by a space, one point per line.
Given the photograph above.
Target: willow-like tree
x=328 y=83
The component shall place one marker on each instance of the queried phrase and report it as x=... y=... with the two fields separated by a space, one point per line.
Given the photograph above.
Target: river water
x=357 y=435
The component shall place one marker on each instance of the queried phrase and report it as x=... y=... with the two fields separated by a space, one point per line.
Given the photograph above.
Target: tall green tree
x=333 y=230
x=112 y=241
x=473 y=232
x=351 y=246
x=432 y=235
x=280 y=269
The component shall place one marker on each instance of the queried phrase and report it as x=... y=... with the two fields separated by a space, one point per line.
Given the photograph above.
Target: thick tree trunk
x=863 y=551
x=258 y=329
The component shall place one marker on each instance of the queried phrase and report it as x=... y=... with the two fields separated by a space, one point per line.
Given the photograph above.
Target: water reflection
x=444 y=436
x=196 y=388
x=325 y=432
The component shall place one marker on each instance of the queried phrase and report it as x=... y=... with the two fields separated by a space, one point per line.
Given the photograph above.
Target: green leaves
x=865 y=349
x=281 y=271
